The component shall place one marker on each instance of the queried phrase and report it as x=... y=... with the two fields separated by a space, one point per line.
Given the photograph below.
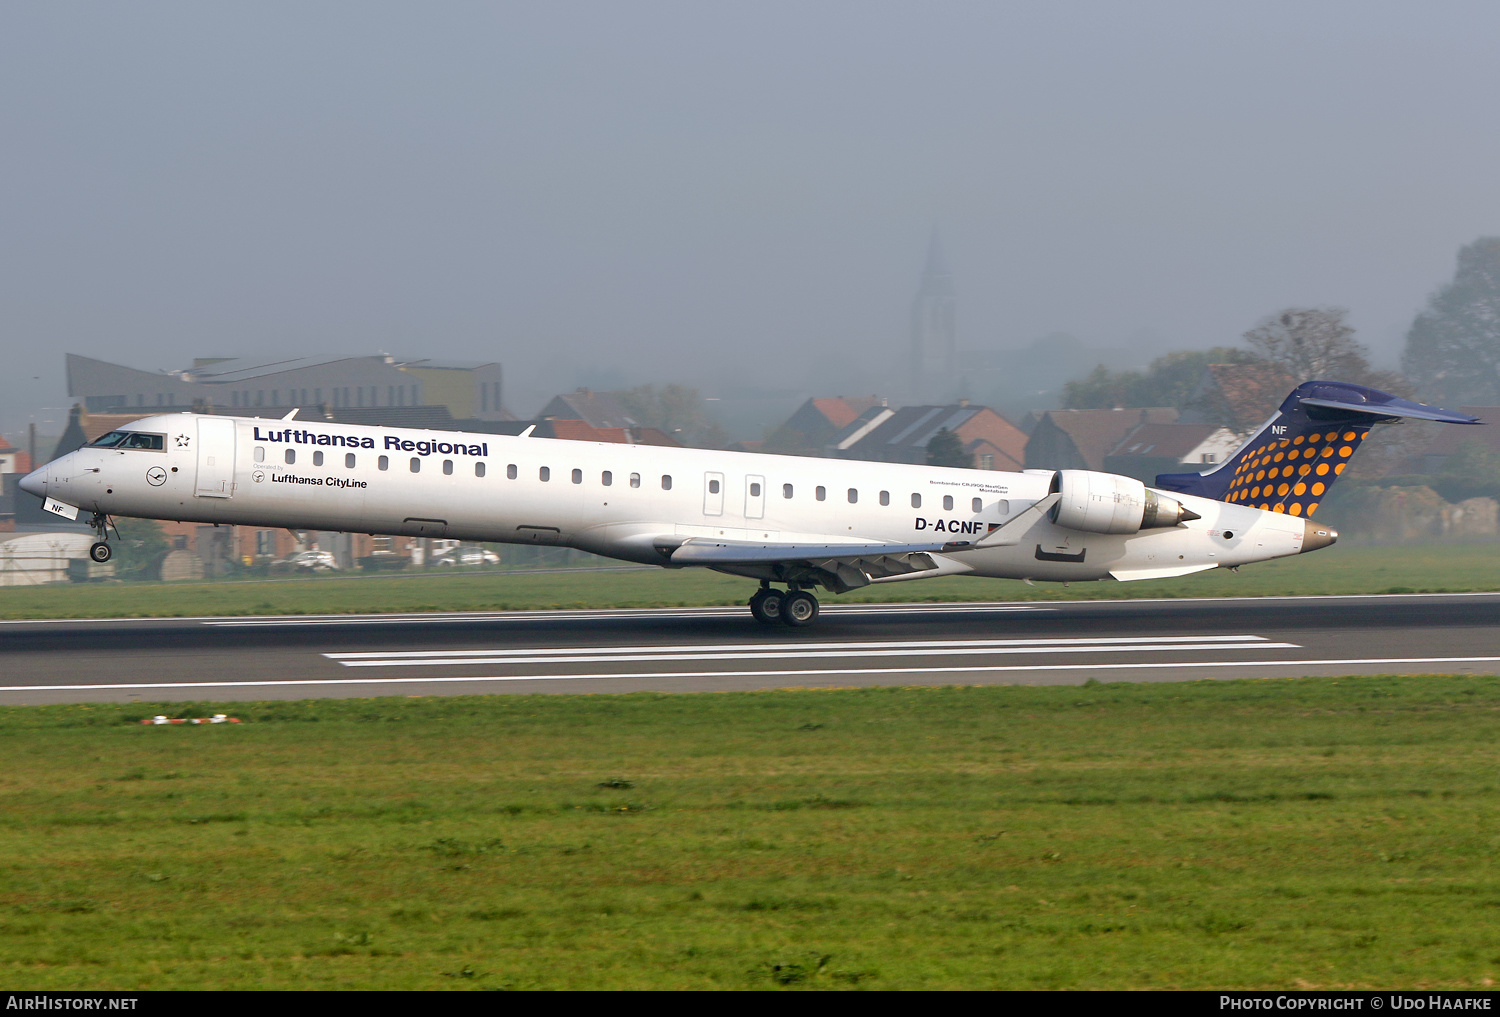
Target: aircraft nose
x=35 y=482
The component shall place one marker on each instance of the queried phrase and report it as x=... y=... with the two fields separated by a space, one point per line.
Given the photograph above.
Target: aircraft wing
x=840 y=567
x=704 y=551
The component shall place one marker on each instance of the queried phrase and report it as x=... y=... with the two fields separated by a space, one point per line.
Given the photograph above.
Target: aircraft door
x=215 y=458
x=755 y=497
x=713 y=494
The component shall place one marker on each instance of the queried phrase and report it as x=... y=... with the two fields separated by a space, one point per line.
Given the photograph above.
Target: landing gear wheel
x=100 y=552
x=799 y=609
x=766 y=605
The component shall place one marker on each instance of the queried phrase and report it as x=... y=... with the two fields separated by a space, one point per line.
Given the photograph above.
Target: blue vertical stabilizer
x=1291 y=461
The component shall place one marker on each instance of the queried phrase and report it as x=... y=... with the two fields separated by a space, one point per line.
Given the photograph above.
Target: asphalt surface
x=722 y=648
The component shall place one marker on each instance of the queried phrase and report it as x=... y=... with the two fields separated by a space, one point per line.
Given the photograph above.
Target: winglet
x=1014 y=528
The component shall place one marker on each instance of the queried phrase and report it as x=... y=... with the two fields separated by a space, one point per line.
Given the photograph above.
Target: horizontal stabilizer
x=1395 y=408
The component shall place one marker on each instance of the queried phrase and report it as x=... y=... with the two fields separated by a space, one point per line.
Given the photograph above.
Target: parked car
x=467 y=555
x=318 y=561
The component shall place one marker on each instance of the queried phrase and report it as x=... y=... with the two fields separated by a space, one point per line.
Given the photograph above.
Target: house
x=883 y=434
x=815 y=424
x=1080 y=439
x=1149 y=449
x=597 y=409
x=12 y=459
x=1432 y=456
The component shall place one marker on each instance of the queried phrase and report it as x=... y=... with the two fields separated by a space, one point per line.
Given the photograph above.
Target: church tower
x=934 y=335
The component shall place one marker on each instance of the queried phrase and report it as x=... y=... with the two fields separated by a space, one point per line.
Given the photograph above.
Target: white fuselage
x=622 y=501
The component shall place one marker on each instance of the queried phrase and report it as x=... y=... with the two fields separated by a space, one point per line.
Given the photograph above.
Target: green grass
x=1318 y=832
x=1333 y=570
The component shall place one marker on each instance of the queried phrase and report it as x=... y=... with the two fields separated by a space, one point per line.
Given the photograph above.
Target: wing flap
x=701 y=551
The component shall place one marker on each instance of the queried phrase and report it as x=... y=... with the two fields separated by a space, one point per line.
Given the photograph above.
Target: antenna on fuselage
x=527 y=433
x=292 y=414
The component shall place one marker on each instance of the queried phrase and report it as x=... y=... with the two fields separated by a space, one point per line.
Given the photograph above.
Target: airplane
x=802 y=523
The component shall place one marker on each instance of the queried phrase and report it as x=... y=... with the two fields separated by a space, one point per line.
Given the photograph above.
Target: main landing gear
x=794 y=607
x=100 y=552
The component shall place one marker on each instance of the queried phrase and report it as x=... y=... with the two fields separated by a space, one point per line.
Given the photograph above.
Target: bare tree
x=1316 y=344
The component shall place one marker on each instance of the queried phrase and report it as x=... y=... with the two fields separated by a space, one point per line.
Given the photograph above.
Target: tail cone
x=1315 y=536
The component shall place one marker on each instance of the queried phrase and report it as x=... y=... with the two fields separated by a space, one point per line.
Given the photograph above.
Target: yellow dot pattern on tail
x=1291 y=475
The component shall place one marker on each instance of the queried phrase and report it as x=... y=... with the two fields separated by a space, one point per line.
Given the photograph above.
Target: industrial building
x=467 y=390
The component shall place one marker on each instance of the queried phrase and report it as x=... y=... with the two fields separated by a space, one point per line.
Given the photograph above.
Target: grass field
x=1317 y=832
x=1333 y=570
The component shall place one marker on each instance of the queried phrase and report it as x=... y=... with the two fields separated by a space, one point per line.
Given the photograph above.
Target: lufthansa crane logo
x=257 y=476
x=156 y=476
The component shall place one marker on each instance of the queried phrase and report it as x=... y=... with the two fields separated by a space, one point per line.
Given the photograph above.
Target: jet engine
x=1106 y=503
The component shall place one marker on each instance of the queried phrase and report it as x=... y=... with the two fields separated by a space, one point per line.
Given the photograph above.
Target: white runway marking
x=932 y=648
x=815 y=673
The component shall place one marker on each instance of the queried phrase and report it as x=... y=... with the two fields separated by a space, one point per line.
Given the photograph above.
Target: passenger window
x=349 y=460
x=853 y=496
x=786 y=490
x=318 y=458
x=885 y=497
x=755 y=490
x=666 y=482
x=291 y=456
x=577 y=476
x=635 y=480
x=1002 y=507
x=821 y=493
x=916 y=501
x=947 y=503
x=416 y=465
x=545 y=473
x=383 y=463
x=479 y=469
x=510 y=471
x=606 y=478
x=978 y=504
x=260 y=453
x=447 y=467
x=713 y=487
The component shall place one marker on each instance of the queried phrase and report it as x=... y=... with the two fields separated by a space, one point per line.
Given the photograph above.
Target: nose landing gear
x=794 y=607
x=101 y=552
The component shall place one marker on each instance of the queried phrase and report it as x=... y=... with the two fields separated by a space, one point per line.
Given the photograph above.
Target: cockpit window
x=131 y=439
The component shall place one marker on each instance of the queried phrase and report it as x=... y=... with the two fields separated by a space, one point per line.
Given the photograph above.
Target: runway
x=701 y=649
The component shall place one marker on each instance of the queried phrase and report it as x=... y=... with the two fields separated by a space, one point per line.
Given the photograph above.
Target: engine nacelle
x=1107 y=503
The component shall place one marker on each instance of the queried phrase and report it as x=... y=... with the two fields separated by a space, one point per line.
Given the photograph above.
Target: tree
x=1472 y=471
x=1315 y=344
x=947 y=449
x=1170 y=380
x=140 y=548
x=677 y=410
x=1453 y=348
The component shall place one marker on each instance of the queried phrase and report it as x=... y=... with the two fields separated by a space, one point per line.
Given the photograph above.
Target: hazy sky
x=726 y=194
